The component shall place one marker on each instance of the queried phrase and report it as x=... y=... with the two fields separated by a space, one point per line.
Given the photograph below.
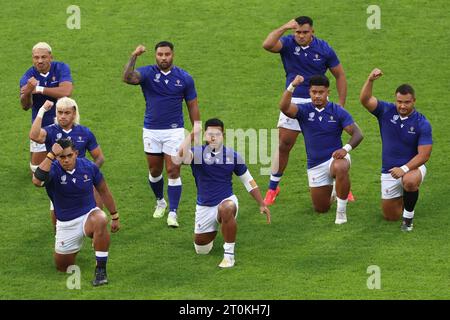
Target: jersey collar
x=71 y=172
x=311 y=44
x=407 y=117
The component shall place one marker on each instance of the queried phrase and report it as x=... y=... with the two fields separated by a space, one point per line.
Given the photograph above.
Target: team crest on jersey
x=63 y=179
x=80 y=139
x=53 y=78
x=157 y=76
x=311 y=116
x=331 y=119
x=411 y=130
x=317 y=57
x=86 y=178
x=58 y=135
x=395 y=118
x=297 y=51
x=178 y=83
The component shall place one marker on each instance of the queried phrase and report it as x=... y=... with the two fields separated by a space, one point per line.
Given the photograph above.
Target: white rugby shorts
x=163 y=141
x=393 y=188
x=289 y=123
x=70 y=234
x=206 y=218
x=321 y=175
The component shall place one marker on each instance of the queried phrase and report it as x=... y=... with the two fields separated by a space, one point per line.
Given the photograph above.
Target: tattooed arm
x=130 y=75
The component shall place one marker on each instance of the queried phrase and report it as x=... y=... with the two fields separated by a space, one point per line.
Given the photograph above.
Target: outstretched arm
x=366 y=97
x=130 y=75
x=272 y=42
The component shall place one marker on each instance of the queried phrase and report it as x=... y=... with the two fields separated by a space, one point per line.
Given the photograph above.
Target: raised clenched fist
x=375 y=74
x=140 y=49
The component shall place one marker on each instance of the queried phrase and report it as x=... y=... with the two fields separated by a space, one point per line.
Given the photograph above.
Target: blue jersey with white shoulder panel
x=322 y=130
x=213 y=173
x=164 y=94
x=400 y=137
x=72 y=192
x=83 y=139
x=306 y=61
x=59 y=72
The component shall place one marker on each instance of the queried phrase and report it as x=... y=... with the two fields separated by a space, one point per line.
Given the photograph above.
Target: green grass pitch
x=301 y=255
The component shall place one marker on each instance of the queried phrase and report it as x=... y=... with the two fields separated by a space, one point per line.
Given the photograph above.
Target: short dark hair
x=405 y=89
x=214 y=122
x=164 y=44
x=304 y=20
x=319 y=80
x=66 y=143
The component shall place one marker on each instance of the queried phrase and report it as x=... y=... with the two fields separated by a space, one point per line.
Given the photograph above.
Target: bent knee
x=340 y=166
x=100 y=220
x=203 y=249
x=410 y=185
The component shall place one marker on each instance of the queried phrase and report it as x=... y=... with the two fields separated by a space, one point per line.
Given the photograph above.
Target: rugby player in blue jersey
x=406 y=138
x=69 y=182
x=164 y=87
x=301 y=53
x=213 y=165
x=322 y=123
x=45 y=80
x=67 y=125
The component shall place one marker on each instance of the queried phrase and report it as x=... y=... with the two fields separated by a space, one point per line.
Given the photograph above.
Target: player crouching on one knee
x=322 y=123
x=213 y=166
x=69 y=182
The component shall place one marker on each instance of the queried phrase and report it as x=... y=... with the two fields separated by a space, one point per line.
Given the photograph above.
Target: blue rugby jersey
x=59 y=72
x=322 y=130
x=306 y=61
x=81 y=136
x=400 y=137
x=164 y=95
x=72 y=193
x=213 y=173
